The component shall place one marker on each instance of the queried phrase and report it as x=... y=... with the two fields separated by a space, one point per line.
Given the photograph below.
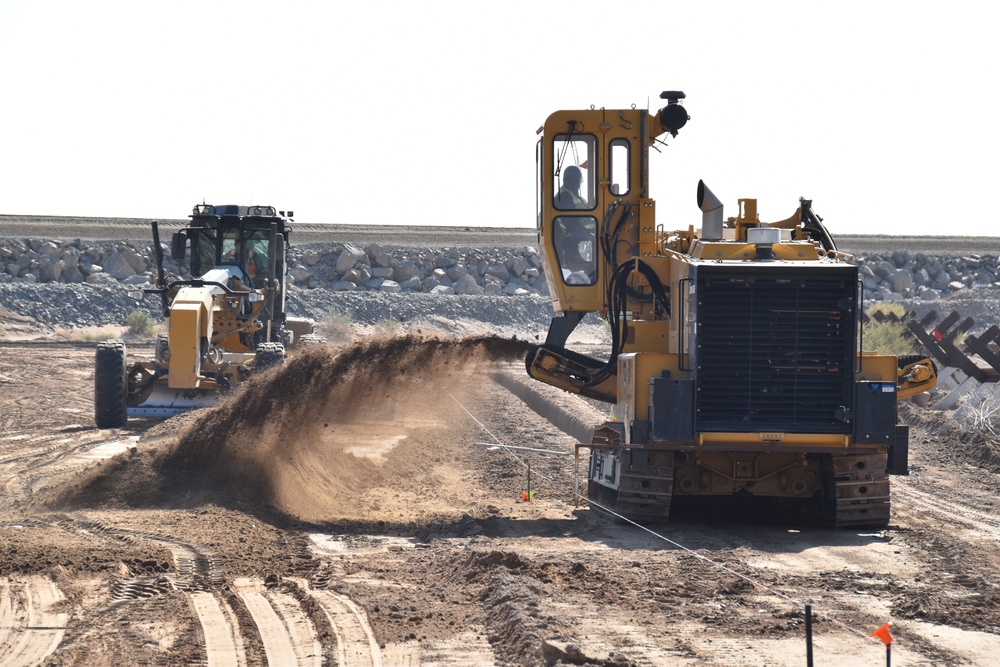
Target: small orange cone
x=883 y=634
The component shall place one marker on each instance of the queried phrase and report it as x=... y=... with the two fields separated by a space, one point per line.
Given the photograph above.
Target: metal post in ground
x=809 y=635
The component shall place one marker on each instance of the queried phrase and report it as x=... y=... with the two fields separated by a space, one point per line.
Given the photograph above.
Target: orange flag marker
x=883 y=634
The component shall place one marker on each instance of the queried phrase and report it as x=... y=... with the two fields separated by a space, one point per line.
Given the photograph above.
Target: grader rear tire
x=268 y=355
x=311 y=340
x=162 y=350
x=110 y=385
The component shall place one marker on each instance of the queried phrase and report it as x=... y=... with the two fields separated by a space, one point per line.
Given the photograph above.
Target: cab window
x=202 y=251
x=256 y=257
x=575 y=240
x=229 y=253
x=574 y=180
x=618 y=167
x=251 y=254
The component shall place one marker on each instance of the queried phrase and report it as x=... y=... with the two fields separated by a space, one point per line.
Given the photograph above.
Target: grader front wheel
x=110 y=385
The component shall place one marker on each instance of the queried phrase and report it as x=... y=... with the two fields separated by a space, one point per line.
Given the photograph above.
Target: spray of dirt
x=364 y=432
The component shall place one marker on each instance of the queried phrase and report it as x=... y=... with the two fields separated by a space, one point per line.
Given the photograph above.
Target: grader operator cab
x=737 y=363
x=225 y=322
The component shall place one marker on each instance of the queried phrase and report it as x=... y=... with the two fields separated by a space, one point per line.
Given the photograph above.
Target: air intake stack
x=711 y=217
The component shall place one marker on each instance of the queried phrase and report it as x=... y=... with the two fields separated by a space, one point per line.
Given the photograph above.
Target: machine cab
x=592 y=206
x=237 y=237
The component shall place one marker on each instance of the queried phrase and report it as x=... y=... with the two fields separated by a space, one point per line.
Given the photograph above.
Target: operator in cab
x=247 y=256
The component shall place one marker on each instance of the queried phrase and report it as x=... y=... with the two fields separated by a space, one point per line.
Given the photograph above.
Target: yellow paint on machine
x=190 y=319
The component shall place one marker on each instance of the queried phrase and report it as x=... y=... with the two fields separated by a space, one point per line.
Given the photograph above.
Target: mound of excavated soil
x=353 y=433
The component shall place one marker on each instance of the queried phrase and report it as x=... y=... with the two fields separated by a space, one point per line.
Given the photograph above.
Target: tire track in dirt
x=50 y=454
x=356 y=644
x=198 y=569
x=198 y=574
x=30 y=371
x=29 y=630
x=288 y=635
x=223 y=642
x=279 y=628
x=954 y=512
x=51 y=447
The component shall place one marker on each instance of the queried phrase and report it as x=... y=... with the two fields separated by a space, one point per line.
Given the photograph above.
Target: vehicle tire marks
x=938 y=504
x=199 y=573
x=223 y=642
x=51 y=447
x=53 y=451
x=198 y=569
x=274 y=624
x=288 y=635
x=29 y=631
x=356 y=644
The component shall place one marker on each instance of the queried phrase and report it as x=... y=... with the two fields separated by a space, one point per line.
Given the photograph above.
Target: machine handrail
x=195 y=282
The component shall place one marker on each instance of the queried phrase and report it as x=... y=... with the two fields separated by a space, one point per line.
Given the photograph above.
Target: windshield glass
x=202 y=251
x=249 y=251
x=574 y=239
x=574 y=171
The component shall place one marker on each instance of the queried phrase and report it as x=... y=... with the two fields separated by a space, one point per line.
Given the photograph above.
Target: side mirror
x=178 y=246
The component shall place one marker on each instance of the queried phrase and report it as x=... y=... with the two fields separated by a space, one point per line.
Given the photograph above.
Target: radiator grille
x=775 y=351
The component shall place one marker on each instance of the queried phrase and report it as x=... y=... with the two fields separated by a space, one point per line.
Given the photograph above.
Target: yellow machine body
x=190 y=322
x=736 y=364
x=225 y=322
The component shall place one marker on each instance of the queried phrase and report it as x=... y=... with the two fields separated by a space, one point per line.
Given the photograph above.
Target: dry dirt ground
x=356 y=507
x=359 y=507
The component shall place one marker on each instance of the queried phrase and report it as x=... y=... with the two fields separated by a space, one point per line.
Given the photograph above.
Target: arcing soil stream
x=356 y=507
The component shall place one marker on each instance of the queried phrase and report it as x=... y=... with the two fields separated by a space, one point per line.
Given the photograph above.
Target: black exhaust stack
x=161 y=278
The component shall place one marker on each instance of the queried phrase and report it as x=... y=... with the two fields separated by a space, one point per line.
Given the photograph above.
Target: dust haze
x=322 y=437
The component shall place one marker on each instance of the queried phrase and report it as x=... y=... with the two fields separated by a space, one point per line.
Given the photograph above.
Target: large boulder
x=350 y=256
x=390 y=286
x=101 y=278
x=116 y=267
x=72 y=274
x=900 y=280
x=498 y=271
x=300 y=273
x=50 y=268
x=455 y=272
x=49 y=249
x=377 y=254
x=136 y=261
x=403 y=271
x=411 y=284
x=467 y=285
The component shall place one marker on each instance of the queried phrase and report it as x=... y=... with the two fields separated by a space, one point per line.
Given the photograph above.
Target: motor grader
x=224 y=323
x=737 y=362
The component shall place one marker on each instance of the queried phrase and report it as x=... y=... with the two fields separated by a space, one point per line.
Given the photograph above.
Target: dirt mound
x=365 y=432
x=14 y=326
x=948 y=441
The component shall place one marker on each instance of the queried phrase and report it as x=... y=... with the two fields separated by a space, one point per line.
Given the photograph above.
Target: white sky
x=884 y=113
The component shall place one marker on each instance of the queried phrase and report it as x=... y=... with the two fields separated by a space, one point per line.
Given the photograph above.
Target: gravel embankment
x=410 y=274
